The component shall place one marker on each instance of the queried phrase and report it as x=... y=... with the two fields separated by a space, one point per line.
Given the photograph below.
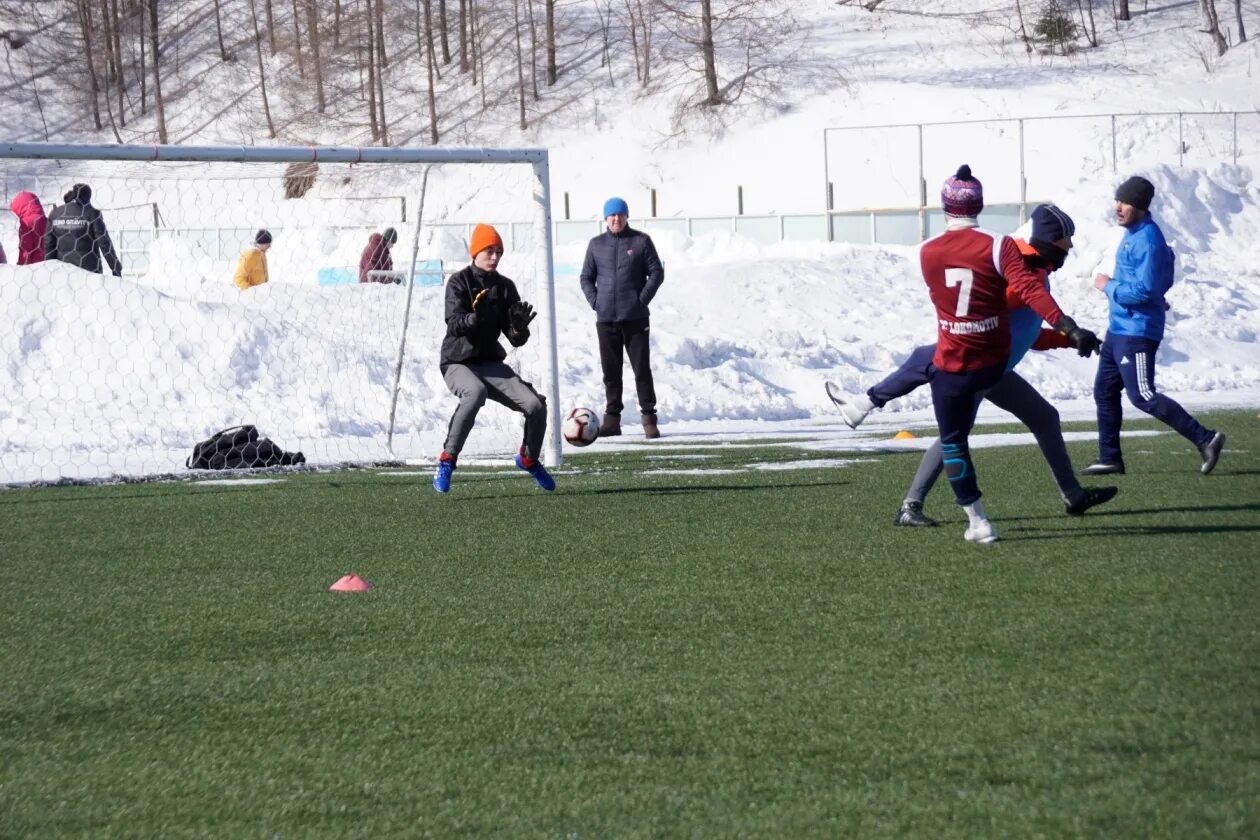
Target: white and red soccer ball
x=580 y=427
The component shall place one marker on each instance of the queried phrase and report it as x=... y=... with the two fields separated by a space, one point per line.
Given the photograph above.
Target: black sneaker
x=911 y=515
x=1211 y=451
x=1104 y=468
x=1086 y=498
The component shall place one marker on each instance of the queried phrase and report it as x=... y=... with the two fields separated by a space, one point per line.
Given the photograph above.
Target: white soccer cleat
x=981 y=531
x=853 y=409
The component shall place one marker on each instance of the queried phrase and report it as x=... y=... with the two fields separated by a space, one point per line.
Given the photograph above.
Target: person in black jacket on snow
x=481 y=305
x=620 y=277
x=76 y=234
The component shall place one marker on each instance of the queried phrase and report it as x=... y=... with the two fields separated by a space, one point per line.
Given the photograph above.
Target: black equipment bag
x=240 y=447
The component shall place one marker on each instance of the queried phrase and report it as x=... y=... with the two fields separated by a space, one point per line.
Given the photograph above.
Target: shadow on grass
x=672 y=491
x=1029 y=535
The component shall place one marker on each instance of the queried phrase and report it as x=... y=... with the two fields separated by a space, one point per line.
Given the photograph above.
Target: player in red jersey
x=967 y=270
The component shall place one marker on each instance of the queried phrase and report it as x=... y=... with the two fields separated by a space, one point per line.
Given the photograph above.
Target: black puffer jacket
x=76 y=234
x=621 y=275
x=474 y=336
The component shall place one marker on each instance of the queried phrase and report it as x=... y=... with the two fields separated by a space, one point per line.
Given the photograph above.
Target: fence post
x=1113 y=144
x=402 y=207
x=827 y=181
x=566 y=207
x=922 y=196
x=739 y=192
x=653 y=202
x=1181 y=143
x=1023 y=177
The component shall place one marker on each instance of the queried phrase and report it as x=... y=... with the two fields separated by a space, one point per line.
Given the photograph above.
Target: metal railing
x=1003 y=148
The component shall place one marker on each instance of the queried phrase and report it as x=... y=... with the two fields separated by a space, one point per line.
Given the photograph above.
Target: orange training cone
x=350 y=583
x=903 y=435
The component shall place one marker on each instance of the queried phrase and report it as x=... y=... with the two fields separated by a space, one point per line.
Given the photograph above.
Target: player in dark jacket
x=76 y=234
x=620 y=276
x=481 y=305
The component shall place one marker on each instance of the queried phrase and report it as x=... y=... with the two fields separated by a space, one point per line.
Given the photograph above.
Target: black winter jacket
x=474 y=336
x=75 y=234
x=620 y=275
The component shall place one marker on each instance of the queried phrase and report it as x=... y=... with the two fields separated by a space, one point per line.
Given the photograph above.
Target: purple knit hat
x=962 y=195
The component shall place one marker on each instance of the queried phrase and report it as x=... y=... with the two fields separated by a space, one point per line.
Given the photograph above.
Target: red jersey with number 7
x=967 y=271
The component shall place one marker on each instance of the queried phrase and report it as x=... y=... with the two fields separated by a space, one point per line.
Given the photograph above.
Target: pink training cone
x=350 y=583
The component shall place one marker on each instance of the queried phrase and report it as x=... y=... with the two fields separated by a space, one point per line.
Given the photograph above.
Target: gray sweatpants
x=476 y=382
x=1013 y=394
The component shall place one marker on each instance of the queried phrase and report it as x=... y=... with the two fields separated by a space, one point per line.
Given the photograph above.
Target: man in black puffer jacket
x=620 y=277
x=481 y=305
x=76 y=234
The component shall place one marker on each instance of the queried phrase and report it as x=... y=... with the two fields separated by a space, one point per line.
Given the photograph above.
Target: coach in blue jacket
x=1143 y=275
x=620 y=277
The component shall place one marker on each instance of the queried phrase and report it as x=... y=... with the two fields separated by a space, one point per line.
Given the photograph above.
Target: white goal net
x=115 y=363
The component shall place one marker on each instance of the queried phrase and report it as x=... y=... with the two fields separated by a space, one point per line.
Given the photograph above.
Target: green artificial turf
x=651 y=651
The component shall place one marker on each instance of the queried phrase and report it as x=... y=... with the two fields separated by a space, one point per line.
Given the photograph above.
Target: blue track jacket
x=1144 y=274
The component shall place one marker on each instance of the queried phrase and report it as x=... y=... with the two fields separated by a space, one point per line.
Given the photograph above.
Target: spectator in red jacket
x=376 y=257
x=32 y=224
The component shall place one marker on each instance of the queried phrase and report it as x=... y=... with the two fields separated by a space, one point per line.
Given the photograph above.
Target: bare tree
x=1122 y=9
x=1212 y=25
x=271 y=26
x=84 y=8
x=159 y=107
x=218 y=28
x=297 y=41
x=1086 y=7
x=641 y=15
x=463 y=37
x=446 y=42
x=520 y=62
x=550 y=6
x=533 y=48
x=1023 y=29
x=1242 y=30
x=478 y=48
x=312 y=28
x=381 y=64
x=370 y=50
x=430 y=61
x=262 y=70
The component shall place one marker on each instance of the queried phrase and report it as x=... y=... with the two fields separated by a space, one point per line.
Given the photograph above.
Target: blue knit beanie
x=615 y=206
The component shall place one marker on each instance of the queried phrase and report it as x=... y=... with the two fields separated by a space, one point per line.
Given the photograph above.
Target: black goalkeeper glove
x=1085 y=341
x=520 y=314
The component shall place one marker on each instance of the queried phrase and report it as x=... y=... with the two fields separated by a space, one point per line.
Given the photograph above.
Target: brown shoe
x=649 y=426
x=610 y=426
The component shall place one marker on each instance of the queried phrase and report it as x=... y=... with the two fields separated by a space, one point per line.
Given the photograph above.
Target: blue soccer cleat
x=539 y=472
x=442 y=478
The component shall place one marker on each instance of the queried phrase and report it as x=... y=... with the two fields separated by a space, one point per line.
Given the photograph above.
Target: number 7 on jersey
x=963 y=278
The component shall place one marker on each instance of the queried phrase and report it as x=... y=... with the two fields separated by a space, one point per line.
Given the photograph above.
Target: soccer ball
x=581 y=427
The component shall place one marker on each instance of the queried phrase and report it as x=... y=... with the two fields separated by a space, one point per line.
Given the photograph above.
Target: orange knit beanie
x=483 y=237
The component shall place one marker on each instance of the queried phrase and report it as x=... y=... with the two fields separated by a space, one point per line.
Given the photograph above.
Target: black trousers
x=616 y=340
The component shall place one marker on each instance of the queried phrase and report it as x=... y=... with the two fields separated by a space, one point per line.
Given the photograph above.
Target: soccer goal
x=148 y=328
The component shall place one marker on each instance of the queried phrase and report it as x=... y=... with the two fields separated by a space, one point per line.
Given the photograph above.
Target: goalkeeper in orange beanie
x=481 y=305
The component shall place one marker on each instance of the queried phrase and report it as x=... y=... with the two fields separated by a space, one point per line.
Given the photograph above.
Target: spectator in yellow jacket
x=252 y=269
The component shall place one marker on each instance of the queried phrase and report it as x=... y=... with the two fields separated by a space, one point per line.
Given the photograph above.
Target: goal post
x=109 y=377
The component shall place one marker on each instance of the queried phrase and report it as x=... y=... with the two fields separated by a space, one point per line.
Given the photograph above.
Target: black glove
x=1085 y=341
x=520 y=314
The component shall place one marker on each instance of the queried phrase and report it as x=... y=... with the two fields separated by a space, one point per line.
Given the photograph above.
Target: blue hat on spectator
x=616 y=206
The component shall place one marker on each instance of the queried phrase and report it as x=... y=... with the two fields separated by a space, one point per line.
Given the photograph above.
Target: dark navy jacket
x=75 y=234
x=474 y=336
x=621 y=275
